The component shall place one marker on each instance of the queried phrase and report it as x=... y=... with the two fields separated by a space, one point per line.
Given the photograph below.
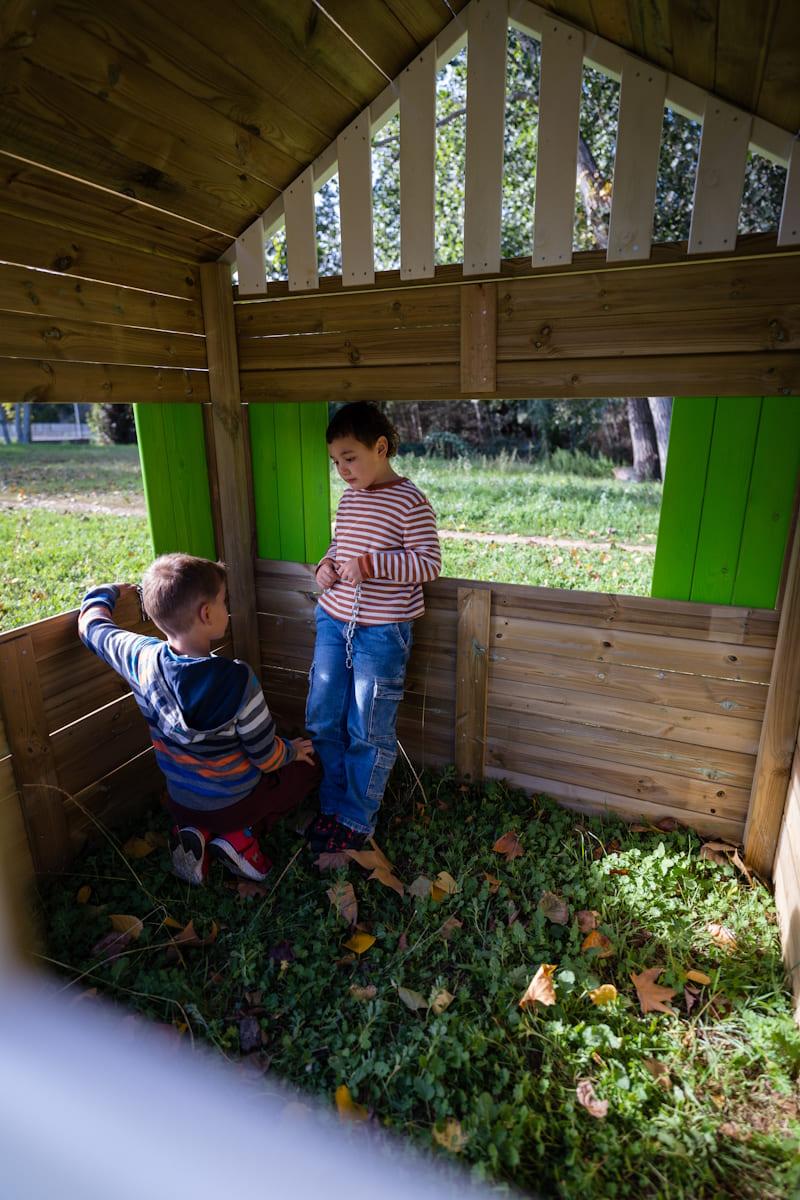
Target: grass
x=54 y=469
x=702 y=1101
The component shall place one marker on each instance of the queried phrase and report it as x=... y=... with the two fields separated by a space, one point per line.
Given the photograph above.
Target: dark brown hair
x=366 y=423
x=175 y=585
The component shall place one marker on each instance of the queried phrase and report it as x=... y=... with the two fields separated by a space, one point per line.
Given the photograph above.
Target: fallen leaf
x=138 y=847
x=249 y=1035
x=717 y=1099
x=690 y=995
x=599 y=942
x=127 y=924
x=554 y=908
x=441 y=1001
x=541 y=989
x=587 y=919
x=451 y=1136
x=619 y=871
x=363 y=993
x=360 y=942
x=412 y=1000
x=509 y=846
x=604 y=994
x=171 y=923
x=710 y=852
x=651 y=994
x=346 y=1106
x=668 y=824
x=740 y=866
x=586 y=1096
x=370 y=859
x=698 y=977
x=188 y=936
x=513 y=913
x=659 y=1071
x=248 y=888
x=493 y=882
x=446 y=883
x=722 y=936
x=388 y=880
x=329 y=862
x=83 y=894
x=343 y=899
x=402 y=942
x=637 y=828
x=421 y=887
x=449 y=927
x=111 y=945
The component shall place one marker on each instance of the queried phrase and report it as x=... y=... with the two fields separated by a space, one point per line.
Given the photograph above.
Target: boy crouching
x=228 y=774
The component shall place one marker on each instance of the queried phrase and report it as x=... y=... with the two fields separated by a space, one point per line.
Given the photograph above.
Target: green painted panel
x=682 y=499
x=172 y=451
x=290 y=483
x=725 y=502
x=265 y=479
x=316 y=479
x=770 y=503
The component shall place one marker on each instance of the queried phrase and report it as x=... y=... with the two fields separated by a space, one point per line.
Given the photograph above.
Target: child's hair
x=364 y=422
x=175 y=585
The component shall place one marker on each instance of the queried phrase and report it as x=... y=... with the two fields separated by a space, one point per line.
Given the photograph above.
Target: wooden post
x=472 y=680
x=32 y=757
x=231 y=459
x=478 y=338
x=779 y=730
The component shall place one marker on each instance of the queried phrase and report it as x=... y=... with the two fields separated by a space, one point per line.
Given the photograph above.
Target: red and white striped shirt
x=391 y=529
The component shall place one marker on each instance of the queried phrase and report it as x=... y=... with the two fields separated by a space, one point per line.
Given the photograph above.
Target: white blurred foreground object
x=97 y=1106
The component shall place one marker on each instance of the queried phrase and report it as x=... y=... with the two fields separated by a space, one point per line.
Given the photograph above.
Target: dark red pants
x=278 y=793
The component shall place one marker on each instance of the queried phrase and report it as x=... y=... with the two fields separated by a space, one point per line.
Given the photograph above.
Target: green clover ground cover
x=702 y=1101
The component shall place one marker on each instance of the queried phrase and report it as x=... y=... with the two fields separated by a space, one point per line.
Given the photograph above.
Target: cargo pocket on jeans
x=386 y=695
x=379 y=775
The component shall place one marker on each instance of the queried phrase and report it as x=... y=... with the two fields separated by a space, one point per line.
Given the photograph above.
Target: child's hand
x=327 y=575
x=125 y=589
x=304 y=750
x=350 y=571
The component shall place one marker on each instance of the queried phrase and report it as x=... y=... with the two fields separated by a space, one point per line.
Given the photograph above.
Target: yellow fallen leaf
x=363 y=993
x=346 y=1106
x=412 y=1000
x=541 y=989
x=388 y=879
x=441 y=1001
x=450 y=1136
x=171 y=923
x=138 y=847
x=437 y=894
x=698 y=977
x=446 y=883
x=123 y=923
x=722 y=936
x=360 y=942
x=83 y=894
x=605 y=994
x=599 y=942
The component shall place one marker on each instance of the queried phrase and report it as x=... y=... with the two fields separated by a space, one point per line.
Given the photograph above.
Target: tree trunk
x=661 y=412
x=26 y=423
x=4 y=424
x=643 y=437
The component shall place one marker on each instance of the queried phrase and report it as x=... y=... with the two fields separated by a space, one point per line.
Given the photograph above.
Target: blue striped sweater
x=212 y=731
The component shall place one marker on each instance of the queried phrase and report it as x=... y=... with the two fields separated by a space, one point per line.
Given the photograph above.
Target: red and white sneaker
x=189 y=848
x=240 y=853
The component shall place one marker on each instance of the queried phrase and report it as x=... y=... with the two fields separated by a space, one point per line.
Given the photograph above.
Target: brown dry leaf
x=139 y=847
x=247 y=888
x=698 y=977
x=123 y=923
x=346 y=1106
x=722 y=936
x=690 y=995
x=509 y=846
x=451 y=1136
x=638 y=828
x=554 y=908
x=740 y=866
x=513 y=913
x=605 y=994
x=83 y=894
x=651 y=994
x=329 y=862
x=441 y=1001
x=369 y=859
x=363 y=993
x=541 y=989
x=587 y=919
x=599 y=942
x=421 y=887
x=586 y=1096
x=716 y=852
x=668 y=825
x=412 y=1000
x=171 y=923
x=493 y=882
x=359 y=943
x=111 y=945
x=388 y=880
x=445 y=882
x=343 y=899
x=659 y=1071
x=449 y=927
x=188 y=936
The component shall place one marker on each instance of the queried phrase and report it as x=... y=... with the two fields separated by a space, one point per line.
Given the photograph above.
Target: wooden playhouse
x=147 y=153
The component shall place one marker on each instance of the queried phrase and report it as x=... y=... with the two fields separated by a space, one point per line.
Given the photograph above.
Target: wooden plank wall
x=648 y=707
x=722 y=327
x=786 y=877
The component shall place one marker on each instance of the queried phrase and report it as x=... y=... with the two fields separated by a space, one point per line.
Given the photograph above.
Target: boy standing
x=214 y=738
x=385 y=546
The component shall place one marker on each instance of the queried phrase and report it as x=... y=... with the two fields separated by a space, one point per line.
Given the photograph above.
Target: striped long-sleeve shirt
x=212 y=731
x=391 y=529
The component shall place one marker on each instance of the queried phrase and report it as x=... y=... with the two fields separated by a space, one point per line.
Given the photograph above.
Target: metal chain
x=351 y=628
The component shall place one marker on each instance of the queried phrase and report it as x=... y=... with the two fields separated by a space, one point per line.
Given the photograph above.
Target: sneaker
x=319 y=831
x=189 y=848
x=241 y=854
x=341 y=838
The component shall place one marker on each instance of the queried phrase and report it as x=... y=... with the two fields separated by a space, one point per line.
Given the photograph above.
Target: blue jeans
x=351 y=714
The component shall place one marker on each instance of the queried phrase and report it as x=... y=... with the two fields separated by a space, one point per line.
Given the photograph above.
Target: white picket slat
x=641 y=116
x=301 y=232
x=557 y=157
x=250 y=260
x=487 y=39
x=417 y=157
x=720 y=178
x=789 y=228
x=354 y=152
